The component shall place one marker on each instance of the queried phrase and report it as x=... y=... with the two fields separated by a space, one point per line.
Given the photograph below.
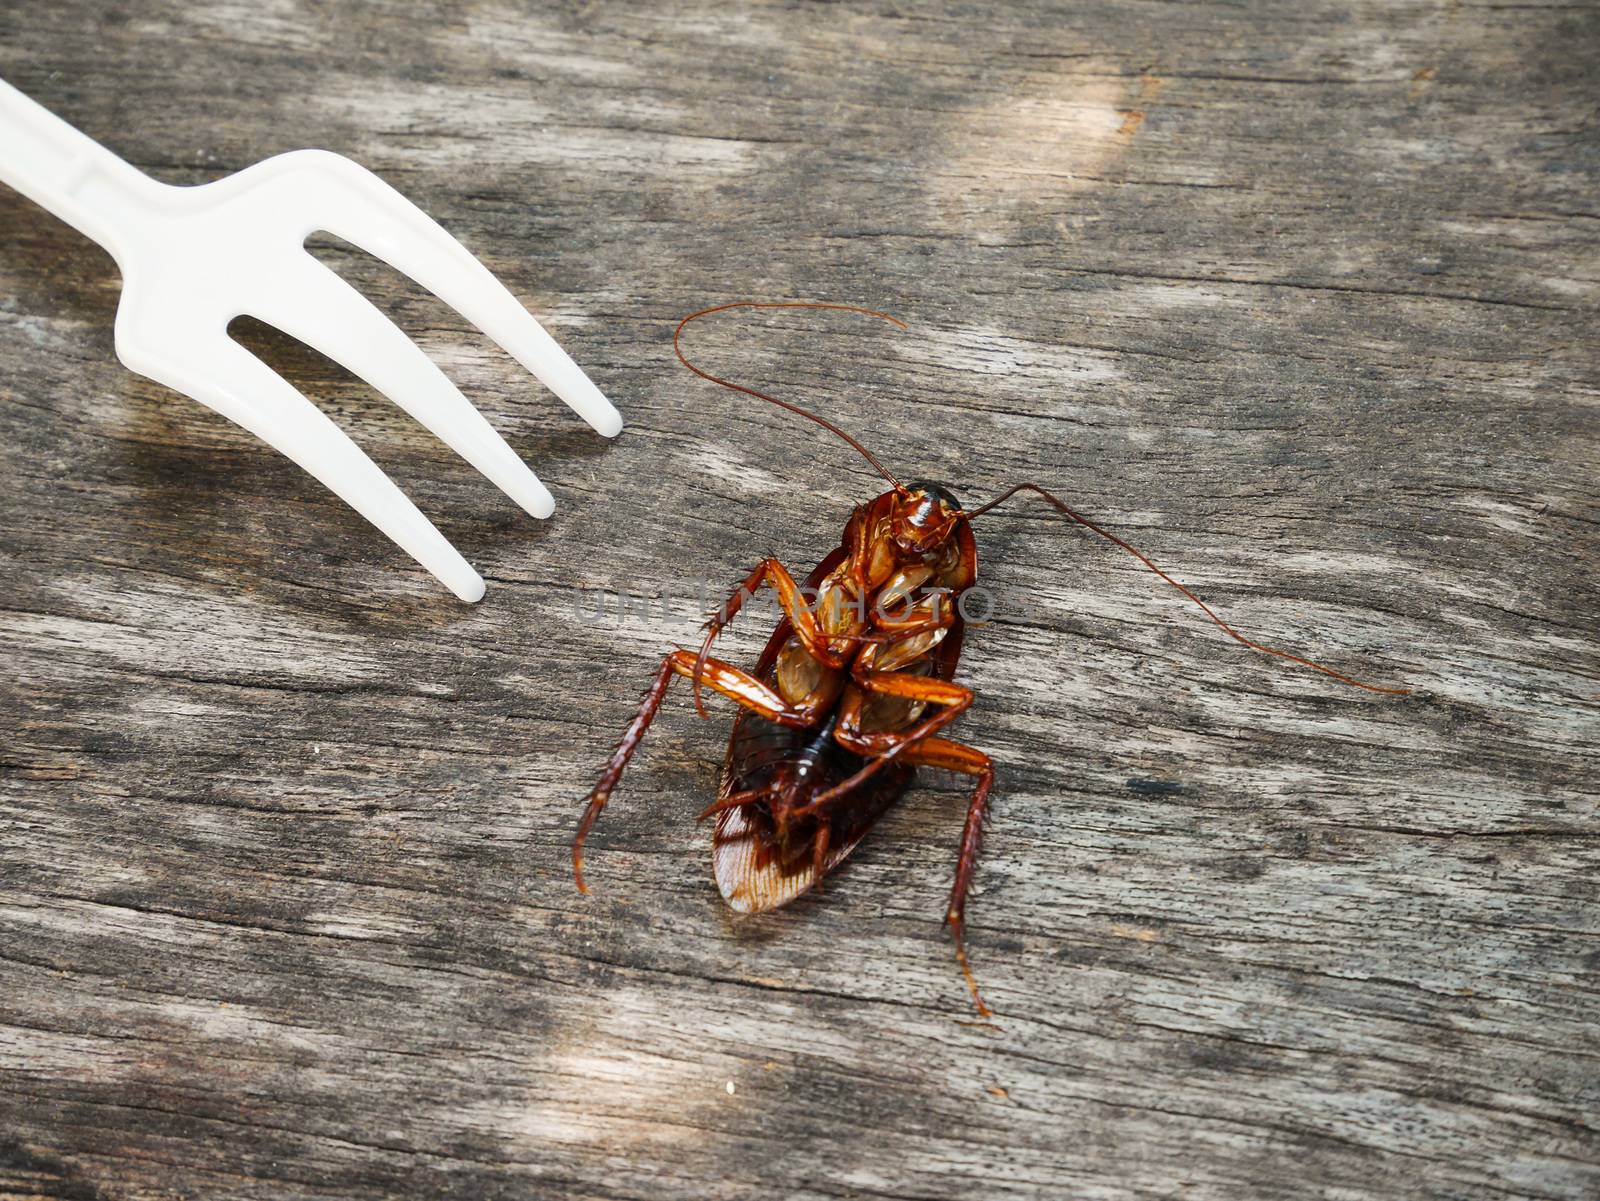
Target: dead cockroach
x=853 y=688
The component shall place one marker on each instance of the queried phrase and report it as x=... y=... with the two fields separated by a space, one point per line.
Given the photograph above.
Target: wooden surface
x=1301 y=298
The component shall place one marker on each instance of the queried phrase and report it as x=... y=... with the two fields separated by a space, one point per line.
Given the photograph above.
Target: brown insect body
x=766 y=850
x=854 y=685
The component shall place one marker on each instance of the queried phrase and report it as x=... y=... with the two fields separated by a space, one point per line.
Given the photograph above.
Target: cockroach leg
x=890 y=629
x=882 y=748
x=735 y=801
x=957 y=757
x=730 y=681
x=819 y=852
x=795 y=608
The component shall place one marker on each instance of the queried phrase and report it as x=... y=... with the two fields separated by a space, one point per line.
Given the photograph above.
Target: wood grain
x=1300 y=298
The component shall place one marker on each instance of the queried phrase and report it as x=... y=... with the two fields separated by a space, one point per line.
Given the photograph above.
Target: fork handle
x=68 y=172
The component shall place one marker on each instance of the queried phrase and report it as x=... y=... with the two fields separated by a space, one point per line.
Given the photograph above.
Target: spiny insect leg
x=795 y=608
x=957 y=757
x=736 y=800
x=883 y=747
x=819 y=853
x=733 y=683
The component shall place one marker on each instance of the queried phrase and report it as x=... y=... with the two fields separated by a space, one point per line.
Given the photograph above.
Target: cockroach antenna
x=1227 y=629
x=784 y=404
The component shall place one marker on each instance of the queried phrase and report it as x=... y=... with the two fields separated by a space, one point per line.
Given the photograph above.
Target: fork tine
x=242 y=388
x=370 y=214
x=313 y=304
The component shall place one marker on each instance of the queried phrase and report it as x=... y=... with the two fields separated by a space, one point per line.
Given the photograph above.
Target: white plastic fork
x=194 y=258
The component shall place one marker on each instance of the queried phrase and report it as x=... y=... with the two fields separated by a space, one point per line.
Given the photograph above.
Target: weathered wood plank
x=1301 y=298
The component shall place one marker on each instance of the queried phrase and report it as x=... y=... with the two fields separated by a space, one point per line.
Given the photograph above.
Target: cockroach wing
x=752 y=886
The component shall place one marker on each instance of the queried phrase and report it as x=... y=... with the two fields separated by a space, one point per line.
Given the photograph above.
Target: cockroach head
x=938 y=491
x=925 y=515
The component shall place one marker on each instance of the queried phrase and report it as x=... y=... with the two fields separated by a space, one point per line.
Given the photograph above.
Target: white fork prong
x=194 y=258
x=366 y=212
x=224 y=375
x=308 y=301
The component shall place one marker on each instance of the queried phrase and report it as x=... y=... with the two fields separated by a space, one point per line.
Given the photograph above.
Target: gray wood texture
x=1300 y=298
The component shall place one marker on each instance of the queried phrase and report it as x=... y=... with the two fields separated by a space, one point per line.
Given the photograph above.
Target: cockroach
x=854 y=687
